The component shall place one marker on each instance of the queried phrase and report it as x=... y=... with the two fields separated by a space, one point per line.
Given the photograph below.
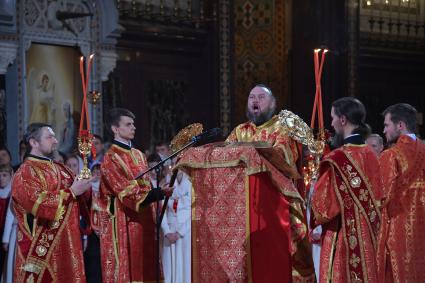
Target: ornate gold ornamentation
x=363 y=196
x=355 y=277
x=54 y=224
x=94 y=97
x=354 y=260
x=300 y=131
x=353 y=242
x=32 y=267
x=84 y=147
x=44 y=240
x=41 y=250
x=372 y=216
x=185 y=135
x=355 y=182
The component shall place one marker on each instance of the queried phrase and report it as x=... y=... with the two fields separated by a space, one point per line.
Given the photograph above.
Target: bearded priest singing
x=264 y=126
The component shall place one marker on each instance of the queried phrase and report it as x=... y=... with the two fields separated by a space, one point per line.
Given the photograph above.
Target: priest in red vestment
x=401 y=241
x=344 y=200
x=47 y=207
x=263 y=126
x=128 y=233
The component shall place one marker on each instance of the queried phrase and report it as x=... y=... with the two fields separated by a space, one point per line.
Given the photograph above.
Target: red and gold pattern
x=401 y=240
x=271 y=132
x=51 y=251
x=276 y=136
x=228 y=209
x=4 y=202
x=127 y=233
x=344 y=203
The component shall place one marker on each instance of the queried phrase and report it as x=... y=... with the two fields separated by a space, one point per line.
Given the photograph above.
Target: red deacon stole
x=40 y=250
x=356 y=201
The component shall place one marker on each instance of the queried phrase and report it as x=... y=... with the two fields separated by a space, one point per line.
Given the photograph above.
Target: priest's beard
x=337 y=140
x=392 y=139
x=261 y=118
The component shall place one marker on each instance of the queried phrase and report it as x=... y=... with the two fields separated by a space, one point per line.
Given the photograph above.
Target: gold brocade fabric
x=401 y=252
x=331 y=210
x=43 y=201
x=227 y=162
x=276 y=136
x=271 y=132
x=127 y=236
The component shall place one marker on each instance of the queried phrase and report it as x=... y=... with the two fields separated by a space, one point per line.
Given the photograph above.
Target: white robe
x=9 y=237
x=316 y=233
x=176 y=257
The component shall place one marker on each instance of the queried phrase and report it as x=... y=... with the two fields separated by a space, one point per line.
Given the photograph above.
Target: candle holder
x=85 y=141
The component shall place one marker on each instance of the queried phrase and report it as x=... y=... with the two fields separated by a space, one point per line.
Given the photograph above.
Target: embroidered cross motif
x=354 y=260
x=41 y=251
x=353 y=242
x=363 y=195
x=355 y=277
x=355 y=182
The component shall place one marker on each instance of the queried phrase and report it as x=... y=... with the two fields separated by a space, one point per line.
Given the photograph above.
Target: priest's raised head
x=348 y=118
x=261 y=105
x=120 y=123
x=399 y=119
x=40 y=139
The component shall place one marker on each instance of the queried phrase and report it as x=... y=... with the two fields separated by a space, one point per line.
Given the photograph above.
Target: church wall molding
x=37 y=22
x=8 y=52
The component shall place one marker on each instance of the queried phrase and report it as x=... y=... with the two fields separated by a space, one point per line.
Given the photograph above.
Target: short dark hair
x=403 y=112
x=7 y=150
x=153 y=157
x=354 y=111
x=162 y=142
x=33 y=131
x=114 y=116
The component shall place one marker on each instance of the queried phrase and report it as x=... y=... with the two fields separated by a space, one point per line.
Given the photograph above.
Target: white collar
x=5 y=192
x=412 y=136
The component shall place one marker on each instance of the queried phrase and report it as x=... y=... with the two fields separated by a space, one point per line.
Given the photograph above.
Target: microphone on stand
x=203 y=137
x=207 y=135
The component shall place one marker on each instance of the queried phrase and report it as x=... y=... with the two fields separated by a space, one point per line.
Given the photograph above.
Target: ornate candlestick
x=85 y=138
x=85 y=141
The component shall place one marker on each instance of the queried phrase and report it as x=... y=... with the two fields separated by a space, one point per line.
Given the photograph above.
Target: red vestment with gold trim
x=344 y=204
x=49 y=247
x=277 y=136
x=401 y=241
x=128 y=234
